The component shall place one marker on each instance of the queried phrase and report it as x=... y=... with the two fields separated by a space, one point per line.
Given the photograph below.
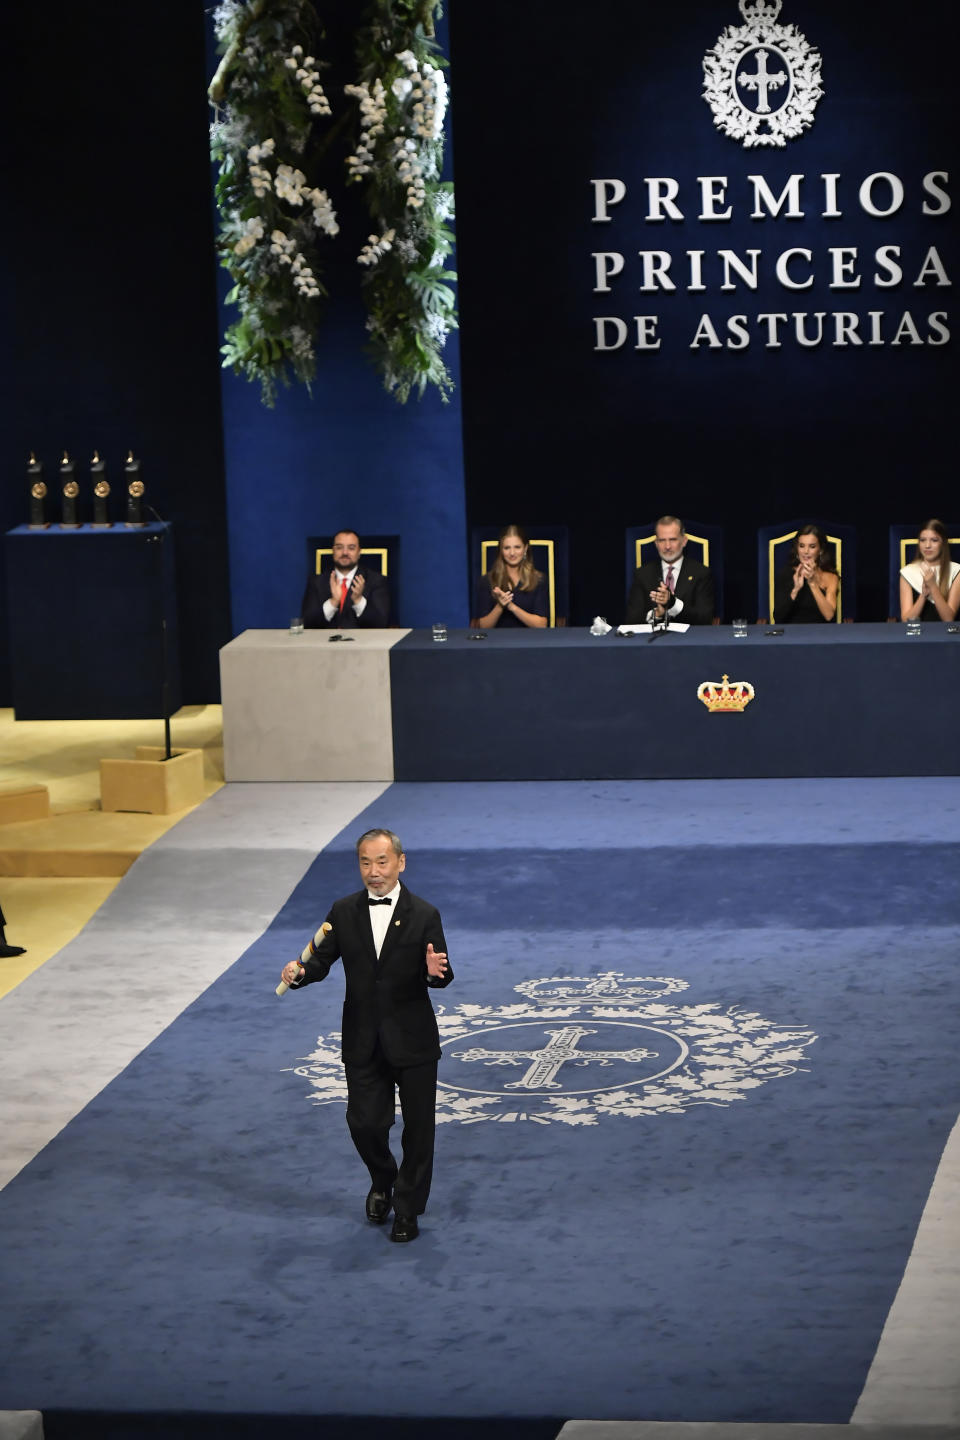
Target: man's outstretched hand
x=436 y=963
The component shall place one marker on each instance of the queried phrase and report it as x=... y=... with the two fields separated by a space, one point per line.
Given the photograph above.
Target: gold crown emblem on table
x=721 y=697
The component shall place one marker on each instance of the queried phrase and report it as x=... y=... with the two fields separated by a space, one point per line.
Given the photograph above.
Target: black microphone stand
x=659 y=627
x=164 y=647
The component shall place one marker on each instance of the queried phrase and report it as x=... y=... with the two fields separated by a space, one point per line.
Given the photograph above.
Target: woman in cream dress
x=930 y=584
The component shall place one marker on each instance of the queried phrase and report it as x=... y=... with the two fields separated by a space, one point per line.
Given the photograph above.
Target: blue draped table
x=567 y=705
x=88 y=609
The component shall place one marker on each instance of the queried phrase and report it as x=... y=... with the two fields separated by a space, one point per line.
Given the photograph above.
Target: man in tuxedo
x=348 y=595
x=671 y=587
x=394 y=952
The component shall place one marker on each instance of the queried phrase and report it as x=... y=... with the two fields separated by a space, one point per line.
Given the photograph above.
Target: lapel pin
x=396 y=922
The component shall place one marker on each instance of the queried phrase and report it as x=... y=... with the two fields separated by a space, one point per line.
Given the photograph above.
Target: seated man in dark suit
x=671 y=586
x=349 y=594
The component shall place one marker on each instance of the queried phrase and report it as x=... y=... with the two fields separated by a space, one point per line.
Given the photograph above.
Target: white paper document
x=675 y=627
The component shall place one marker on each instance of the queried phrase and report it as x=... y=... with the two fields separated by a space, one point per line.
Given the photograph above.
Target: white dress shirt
x=381 y=916
x=330 y=609
x=676 y=609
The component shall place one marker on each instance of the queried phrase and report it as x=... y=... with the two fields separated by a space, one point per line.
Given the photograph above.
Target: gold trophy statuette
x=101 y=489
x=38 y=493
x=135 y=491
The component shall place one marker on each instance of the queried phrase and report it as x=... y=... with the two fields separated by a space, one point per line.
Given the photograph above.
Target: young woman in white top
x=930 y=584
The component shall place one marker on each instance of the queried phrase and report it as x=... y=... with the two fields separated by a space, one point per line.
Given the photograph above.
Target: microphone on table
x=658 y=627
x=308 y=950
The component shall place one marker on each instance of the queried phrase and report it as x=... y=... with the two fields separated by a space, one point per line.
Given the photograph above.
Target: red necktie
x=343 y=595
x=670 y=578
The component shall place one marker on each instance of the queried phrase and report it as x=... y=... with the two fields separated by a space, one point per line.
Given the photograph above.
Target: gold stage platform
x=56 y=871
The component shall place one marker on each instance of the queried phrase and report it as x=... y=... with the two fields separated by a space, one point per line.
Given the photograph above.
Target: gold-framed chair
x=704 y=542
x=773 y=551
x=548 y=549
x=903 y=543
x=381 y=552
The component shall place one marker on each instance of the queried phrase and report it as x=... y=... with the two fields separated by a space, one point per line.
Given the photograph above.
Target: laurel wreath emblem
x=735 y=119
x=728 y=1052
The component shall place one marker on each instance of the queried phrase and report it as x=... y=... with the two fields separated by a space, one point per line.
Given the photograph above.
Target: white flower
x=324 y=215
x=252 y=232
x=297 y=50
x=377 y=246
x=401 y=87
x=290 y=63
x=436 y=328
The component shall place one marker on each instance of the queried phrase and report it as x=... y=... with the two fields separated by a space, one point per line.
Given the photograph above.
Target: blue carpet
x=703 y=1213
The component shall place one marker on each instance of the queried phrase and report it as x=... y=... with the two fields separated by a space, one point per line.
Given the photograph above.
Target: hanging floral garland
x=402 y=94
x=268 y=94
x=274 y=211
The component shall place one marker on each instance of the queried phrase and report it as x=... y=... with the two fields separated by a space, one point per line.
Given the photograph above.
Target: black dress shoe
x=7 y=952
x=405 y=1228
x=379 y=1204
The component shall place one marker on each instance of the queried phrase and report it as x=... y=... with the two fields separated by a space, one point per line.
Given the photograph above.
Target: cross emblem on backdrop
x=763 y=81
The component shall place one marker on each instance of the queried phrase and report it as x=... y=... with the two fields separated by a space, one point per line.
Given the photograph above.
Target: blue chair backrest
x=704 y=543
x=380 y=552
x=903 y=548
x=549 y=549
x=774 y=543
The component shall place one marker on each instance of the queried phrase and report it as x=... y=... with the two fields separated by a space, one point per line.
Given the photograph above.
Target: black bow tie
x=385 y=901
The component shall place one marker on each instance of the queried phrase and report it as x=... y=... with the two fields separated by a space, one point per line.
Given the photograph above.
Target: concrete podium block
x=152 y=784
x=301 y=707
x=23 y=802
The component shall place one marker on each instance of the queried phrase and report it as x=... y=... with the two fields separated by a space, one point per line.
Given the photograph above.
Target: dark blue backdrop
x=553 y=428
x=346 y=454
x=114 y=335
x=107 y=244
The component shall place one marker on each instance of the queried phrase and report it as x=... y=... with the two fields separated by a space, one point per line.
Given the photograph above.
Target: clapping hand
x=356 y=589
x=661 y=597
x=503 y=597
x=436 y=963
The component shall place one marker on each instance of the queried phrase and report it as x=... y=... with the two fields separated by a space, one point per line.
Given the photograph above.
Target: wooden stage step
x=82 y=843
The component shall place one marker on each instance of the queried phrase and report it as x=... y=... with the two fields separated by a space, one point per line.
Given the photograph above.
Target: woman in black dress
x=930 y=584
x=805 y=591
x=512 y=593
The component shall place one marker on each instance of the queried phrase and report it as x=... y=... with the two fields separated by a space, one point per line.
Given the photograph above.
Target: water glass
x=439 y=632
x=296 y=625
x=740 y=629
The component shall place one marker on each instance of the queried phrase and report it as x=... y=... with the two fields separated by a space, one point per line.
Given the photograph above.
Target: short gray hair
x=372 y=834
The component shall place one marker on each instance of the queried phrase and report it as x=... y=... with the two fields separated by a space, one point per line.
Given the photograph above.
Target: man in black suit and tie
x=394 y=952
x=348 y=596
x=671 y=587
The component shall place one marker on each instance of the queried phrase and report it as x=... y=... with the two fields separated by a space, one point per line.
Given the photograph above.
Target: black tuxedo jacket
x=693 y=585
x=386 y=999
x=376 y=612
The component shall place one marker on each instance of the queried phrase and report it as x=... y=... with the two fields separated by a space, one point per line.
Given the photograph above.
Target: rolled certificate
x=309 y=949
